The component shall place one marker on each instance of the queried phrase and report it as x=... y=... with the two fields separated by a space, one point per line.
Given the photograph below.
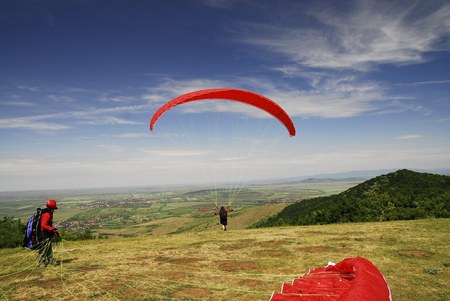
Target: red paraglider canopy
x=242 y=96
x=349 y=280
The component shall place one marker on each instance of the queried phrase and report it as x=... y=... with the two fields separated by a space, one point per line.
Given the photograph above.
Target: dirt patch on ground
x=243 y=244
x=274 y=243
x=273 y=253
x=340 y=250
x=142 y=260
x=252 y=283
x=232 y=265
x=139 y=258
x=415 y=253
x=87 y=268
x=111 y=288
x=314 y=249
x=177 y=260
x=42 y=282
x=188 y=293
x=338 y=239
x=174 y=275
x=389 y=240
x=353 y=233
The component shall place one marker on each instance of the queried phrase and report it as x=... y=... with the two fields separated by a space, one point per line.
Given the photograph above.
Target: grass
x=235 y=265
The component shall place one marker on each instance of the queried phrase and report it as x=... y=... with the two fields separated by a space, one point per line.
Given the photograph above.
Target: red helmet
x=51 y=204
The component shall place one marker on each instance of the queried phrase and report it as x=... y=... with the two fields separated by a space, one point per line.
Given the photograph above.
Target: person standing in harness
x=223 y=214
x=47 y=234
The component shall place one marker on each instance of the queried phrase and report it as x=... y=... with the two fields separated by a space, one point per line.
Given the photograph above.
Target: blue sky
x=366 y=83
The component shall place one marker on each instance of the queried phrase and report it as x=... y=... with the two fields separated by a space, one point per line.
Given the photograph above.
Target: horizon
x=362 y=175
x=366 y=84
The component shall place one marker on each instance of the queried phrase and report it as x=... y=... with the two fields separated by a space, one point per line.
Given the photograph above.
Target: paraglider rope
x=78 y=289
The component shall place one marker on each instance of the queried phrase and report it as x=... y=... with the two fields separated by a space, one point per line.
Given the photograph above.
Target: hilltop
x=400 y=195
x=238 y=265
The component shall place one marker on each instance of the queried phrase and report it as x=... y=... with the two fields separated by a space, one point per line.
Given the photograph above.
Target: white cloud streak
x=131 y=135
x=90 y=116
x=61 y=98
x=14 y=103
x=328 y=97
x=359 y=37
x=424 y=83
x=409 y=137
x=112 y=148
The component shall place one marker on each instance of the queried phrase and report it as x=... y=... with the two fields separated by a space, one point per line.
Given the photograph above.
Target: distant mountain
x=332 y=180
x=400 y=195
x=360 y=175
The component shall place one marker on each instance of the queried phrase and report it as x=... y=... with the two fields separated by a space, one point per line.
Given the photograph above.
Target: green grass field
x=238 y=264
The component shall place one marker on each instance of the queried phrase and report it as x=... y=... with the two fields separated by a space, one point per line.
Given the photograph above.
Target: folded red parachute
x=355 y=279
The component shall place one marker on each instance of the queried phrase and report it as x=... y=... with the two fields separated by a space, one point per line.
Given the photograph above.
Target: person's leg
x=43 y=251
x=42 y=261
x=49 y=254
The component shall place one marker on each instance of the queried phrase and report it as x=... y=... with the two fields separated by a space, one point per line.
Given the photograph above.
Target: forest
x=401 y=195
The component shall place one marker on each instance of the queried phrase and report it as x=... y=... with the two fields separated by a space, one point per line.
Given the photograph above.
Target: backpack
x=223 y=214
x=33 y=233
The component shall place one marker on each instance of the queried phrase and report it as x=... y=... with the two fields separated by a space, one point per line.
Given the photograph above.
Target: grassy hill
x=401 y=195
x=238 y=265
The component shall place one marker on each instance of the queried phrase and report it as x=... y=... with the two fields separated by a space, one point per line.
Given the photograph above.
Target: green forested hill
x=401 y=195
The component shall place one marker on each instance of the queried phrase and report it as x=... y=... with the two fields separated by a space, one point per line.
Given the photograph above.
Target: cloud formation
x=358 y=35
x=65 y=120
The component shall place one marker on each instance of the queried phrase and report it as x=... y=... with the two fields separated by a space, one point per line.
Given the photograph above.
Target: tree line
x=12 y=233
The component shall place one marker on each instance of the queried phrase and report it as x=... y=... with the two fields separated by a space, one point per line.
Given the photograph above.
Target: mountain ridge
x=400 y=195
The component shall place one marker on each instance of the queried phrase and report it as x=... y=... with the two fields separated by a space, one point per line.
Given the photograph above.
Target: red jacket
x=47 y=222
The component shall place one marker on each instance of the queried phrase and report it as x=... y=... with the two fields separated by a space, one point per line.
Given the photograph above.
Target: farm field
x=138 y=211
x=246 y=264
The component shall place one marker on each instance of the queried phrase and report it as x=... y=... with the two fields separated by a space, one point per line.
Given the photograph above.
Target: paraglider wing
x=242 y=96
x=348 y=280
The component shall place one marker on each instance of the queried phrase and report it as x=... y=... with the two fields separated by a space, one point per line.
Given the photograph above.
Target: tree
x=12 y=232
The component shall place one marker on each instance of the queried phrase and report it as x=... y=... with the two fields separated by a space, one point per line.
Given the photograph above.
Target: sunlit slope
x=232 y=265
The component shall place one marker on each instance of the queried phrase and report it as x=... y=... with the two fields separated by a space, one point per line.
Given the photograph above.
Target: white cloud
x=112 y=148
x=132 y=135
x=430 y=82
x=110 y=97
x=328 y=97
x=17 y=103
x=356 y=36
x=88 y=116
x=171 y=88
x=31 y=124
x=28 y=88
x=409 y=136
x=219 y=3
x=185 y=152
x=108 y=120
x=61 y=98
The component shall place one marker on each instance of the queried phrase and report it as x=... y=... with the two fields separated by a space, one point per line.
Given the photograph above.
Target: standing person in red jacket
x=48 y=232
x=223 y=214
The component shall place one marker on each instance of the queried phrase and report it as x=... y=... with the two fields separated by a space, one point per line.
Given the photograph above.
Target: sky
x=366 y=84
